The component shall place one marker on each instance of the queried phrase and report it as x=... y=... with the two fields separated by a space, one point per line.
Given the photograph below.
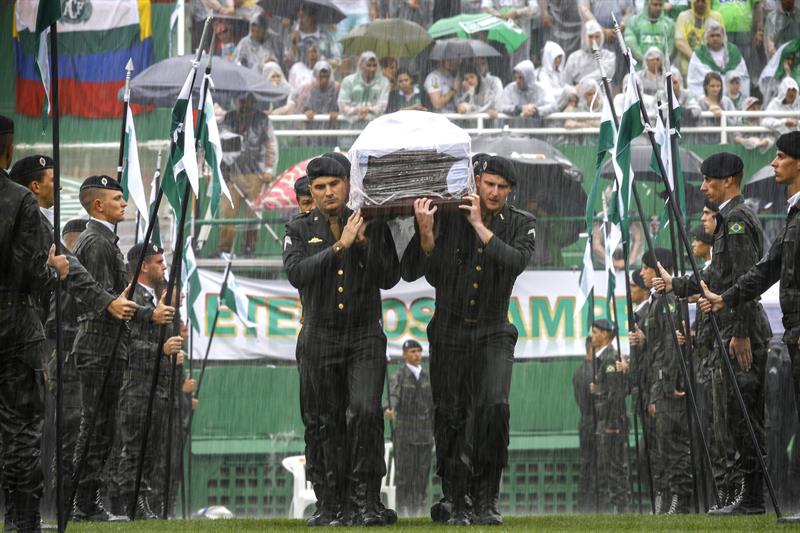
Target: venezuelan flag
x=95 y=40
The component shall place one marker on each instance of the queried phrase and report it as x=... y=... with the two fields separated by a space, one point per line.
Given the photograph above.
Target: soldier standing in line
x=640 y=365
x=610 y=390
x=472 y=259
x=97 y=250
x=25 y=270
x=339 y=263
x=411 y=409
x=778 y=265
x=587 y=438
x=303 y=196
x=666 y=398
x=738 y=245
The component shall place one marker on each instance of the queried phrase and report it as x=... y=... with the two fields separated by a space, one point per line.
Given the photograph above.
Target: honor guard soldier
x=778 y=265
x=411 y=408
x=303 y=195
x=26 y=269
x=339 y=263
x=137 y=377
x=472 y=259
x=738 y=245
x=582 y=380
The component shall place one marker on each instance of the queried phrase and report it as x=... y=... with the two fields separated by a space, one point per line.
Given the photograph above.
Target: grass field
x=530 y=523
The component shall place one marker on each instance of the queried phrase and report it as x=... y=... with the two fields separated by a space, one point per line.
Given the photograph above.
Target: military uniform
x=587 y=435
x=23 y=274
x=612 y=430
x=343 y=353
x=639 y=370
x=472 y=347
x=412 y=404
x=738 y=242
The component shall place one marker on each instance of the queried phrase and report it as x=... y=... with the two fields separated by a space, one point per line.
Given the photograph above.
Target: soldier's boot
x=10 y=515
x=792 y=519
x=460 y=514
x=89 y=507
x=485 y=499
x=722 y=496
x=143 y=510
x=118 y=505
x=749 y=499
x=441 y=510
x=679 y=504
x=28 y=518
x=375 y=513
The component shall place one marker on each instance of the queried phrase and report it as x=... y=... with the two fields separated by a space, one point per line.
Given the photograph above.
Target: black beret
x=789 y=144
x=477 y=162
x=6 y=125
x=638 y=280
x=711 y=206
x=76 y=225
x=101 y=182
x=149 y=250
x=341 y=158
x=327 y=165
x=28 y=165
x=699 y=234
x=605 y=325
x=722 y=165
x=662 y=255
x=500 y=166
x=411 y=343
x=301 y=187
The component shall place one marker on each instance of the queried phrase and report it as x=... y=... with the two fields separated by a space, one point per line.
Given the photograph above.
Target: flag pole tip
x=129 y=65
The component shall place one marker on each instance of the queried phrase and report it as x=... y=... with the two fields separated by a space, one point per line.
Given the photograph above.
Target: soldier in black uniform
x=411 y=409
x=778 y=265
x=137 y=377
x=738 y=245
x=97 y=250
x=25 y=270
x=303 y=195
x=472 y=258
x=339 y=263
x=582 y=378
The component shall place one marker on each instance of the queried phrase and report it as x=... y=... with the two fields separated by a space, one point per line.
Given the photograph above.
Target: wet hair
x=707 y=81
x=407 y=72
x=470 y=68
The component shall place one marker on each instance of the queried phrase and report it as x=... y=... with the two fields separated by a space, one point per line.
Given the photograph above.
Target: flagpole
x=714 y=323
x=125 y=102
x=176 y=267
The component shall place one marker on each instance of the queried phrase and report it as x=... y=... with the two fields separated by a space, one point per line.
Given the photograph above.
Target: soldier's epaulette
x=299 y=215
x=521 y=211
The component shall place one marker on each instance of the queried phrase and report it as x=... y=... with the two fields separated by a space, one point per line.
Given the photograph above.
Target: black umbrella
x=642 y=156
x=160 y=83
x=462 y=49
x=770 y=195
x=325 y=12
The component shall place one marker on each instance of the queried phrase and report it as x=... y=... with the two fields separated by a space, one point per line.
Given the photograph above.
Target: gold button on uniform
x=472 y=302
x=478 y=268
x=474 y=285
x=341 y=272
x=341 y=306
x=341 y=290
x=480 y=250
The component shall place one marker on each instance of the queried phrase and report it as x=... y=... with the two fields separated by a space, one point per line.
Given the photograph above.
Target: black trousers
x=412 y=470
x=470 y=368
x=342 y=377
x=587 y=486
x=751 y=385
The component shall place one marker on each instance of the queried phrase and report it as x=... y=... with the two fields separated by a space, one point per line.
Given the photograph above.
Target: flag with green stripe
x=212 y=150
x=191 y=284
x=131 y=181
x=236 y=300
x=181 y=168
x=48 y=13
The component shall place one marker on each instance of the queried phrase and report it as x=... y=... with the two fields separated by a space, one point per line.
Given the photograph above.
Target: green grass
x=518 y=523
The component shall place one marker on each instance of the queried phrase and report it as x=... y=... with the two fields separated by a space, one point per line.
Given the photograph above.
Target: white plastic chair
x=387 y=483
x=302 y=491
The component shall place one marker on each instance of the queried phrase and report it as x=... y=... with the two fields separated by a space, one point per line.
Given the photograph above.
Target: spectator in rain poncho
x=713 y=100
x=650 y=27
x=755 y=140
x=785 y=100
x=305 y=30
x=320 y=95
x=365 y=93
x=716 y=55
x=651 y=77
x=274 y=75
x=581 y=63
x=551 y=74
x=589 y=101
x=476 y=96
x=733 y=89
x=523 y=97
x=482 y=64
x=690 y=26
x=690 y=108
x=782 y=25
x=650 y=102
x=302 y=72
x=254 y=50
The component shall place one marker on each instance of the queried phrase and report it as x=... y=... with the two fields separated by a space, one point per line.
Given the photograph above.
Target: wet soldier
x=412 y=411
x=137 y=377
x=97 y=250
x=666 y=397
x=303 y=195
x=738 y=245
x=26 y=268
x=610 y=390
x=582 y=378
x=778 y=265
x=339 y=263
x=472 y=259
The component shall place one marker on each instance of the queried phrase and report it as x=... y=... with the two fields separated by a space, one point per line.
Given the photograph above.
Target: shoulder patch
x=611 y=368
x=735 y=228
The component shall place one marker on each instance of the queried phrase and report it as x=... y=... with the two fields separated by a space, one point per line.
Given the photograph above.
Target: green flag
x=237 y=301
x=191 y=283
x=212 y=148
x=182 y=163
x=47 y=13
x=131 y=181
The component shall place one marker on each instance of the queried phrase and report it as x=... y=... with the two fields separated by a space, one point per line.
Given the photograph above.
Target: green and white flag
x=155 y=238
x=212 y=147
x=191 y=284
x=132 y=186
x=236 y=301
x=182 y=163
x=48 y=13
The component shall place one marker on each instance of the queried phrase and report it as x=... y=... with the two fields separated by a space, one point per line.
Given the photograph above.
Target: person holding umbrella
x=254 y=50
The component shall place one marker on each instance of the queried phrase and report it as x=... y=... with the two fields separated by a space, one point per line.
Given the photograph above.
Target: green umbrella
x=500 y=31
x=387 y=38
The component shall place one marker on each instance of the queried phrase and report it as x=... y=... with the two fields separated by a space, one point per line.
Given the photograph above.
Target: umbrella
x=462 y=49
x=387 y=38
x=641 y=157
x=325 y=11
x=160 y=83
x=770 y=195
x=500 y=31
x=280 y=193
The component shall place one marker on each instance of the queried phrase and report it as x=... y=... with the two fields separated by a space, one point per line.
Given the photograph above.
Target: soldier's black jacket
x=738 y=245
x=23 y=267
x=473 y=280
x=142 y=347
x=583 y=376
x=98 y=252
x=664 y=371
x=612 y=388
x=412 y=403
x=780 y=264
x=640 y=356
x=339 y=290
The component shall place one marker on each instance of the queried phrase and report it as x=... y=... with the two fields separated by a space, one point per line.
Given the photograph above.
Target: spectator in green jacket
x=783 y=25
x=650 y=27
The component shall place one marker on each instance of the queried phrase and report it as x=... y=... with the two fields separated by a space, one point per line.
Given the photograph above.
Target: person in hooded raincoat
x=785 y=100
x=523 y=97
x=581 y=63
x=650 y=27
x=550 y=75
x=364 y=94
x=690 y=28
x=651 y=76
x=716 y=55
